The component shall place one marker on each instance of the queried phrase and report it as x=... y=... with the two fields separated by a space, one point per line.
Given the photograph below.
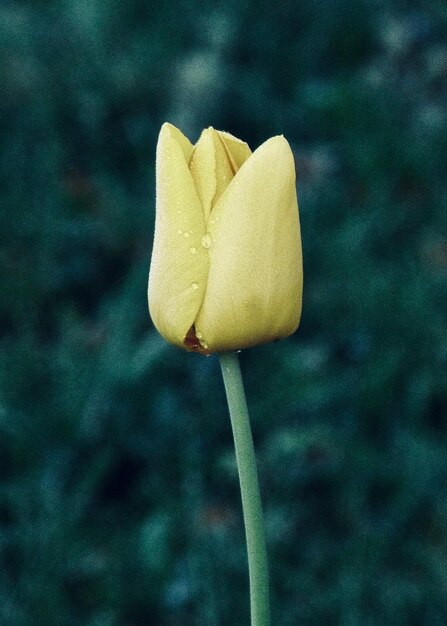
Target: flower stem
x=251 y=498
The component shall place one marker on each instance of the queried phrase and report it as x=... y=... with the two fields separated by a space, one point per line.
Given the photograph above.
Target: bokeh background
x=119 y=500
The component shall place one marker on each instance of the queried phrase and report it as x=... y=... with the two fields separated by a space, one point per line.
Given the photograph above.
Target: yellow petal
x=216 y=158
x=238 y=150
x=183 y=142
x=225 y=167
x=203 y=170
x=255 y=277
x=179 y=265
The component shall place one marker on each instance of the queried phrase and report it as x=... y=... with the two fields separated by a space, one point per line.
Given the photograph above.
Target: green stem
x=251 y=498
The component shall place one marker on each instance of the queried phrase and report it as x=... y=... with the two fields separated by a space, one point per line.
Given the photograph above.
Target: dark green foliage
x=119 y=502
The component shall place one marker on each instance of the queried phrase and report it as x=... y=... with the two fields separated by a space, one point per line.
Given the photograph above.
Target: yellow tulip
x=226 y=270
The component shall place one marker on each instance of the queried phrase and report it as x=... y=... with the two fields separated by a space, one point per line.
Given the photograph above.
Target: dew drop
x=199 y=335
x=206 y=241
x=204 y=345
x=179 y=232
x=193 y=250
x=186 y=234
x=195 y=286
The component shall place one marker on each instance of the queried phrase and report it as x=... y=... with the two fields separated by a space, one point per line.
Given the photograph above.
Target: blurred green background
x=119 y=500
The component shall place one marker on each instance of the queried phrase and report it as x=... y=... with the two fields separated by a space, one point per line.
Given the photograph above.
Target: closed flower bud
x=226 y=269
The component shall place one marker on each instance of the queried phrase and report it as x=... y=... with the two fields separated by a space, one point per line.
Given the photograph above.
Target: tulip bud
x=226 y=270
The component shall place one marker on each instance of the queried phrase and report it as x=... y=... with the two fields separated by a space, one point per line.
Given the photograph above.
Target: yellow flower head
x=226 y=270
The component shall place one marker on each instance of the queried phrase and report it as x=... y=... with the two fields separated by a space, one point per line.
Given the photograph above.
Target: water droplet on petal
x=199 y=335
x=195 y=286
x=179 y=232
x=193 y=250
x=186 y=234
x=206 y=241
